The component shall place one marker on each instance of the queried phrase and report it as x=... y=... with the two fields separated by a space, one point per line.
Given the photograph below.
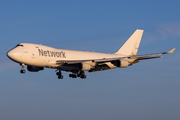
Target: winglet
x=171 y=51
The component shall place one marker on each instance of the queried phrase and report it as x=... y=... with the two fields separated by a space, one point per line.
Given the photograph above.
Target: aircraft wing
x=149 y=55
x=135 y=58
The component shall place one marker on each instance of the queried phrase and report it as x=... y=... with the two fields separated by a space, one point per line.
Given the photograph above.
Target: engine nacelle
x=34 y=68
x=122 y=63
x=84 y=66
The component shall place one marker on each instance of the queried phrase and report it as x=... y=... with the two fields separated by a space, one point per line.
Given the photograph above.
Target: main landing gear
x=22 y=69
x=59 y=74
x=81 y=75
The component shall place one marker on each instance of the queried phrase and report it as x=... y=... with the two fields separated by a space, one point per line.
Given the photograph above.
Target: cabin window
x=19 y=45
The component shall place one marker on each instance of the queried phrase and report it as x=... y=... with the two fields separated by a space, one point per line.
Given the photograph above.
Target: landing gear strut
x=22 y=69
x=59 y=74
x=81 y=75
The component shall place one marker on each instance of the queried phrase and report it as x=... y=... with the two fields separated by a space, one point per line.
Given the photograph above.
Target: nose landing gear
x=22 y=69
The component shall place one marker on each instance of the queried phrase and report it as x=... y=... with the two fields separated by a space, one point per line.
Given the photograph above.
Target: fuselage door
x=33 y=54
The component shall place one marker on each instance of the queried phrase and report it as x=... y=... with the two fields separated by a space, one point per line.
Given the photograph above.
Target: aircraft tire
x=60 y=77
x=22 y=71
x=83 y=76
x=57 y=73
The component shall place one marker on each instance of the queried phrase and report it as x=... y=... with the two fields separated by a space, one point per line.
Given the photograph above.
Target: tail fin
x=130 y=47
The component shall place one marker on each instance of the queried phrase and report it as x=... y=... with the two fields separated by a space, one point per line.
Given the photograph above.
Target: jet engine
x=84 y=66
x=122 y=63
x=34 y=68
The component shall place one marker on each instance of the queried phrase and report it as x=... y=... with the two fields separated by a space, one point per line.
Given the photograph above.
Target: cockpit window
x=19 y=45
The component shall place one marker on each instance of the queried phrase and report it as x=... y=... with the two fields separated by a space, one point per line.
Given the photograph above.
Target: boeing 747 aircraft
x=36 y=57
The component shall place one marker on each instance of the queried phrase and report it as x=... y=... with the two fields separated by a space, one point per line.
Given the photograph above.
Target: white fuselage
x=44 y=56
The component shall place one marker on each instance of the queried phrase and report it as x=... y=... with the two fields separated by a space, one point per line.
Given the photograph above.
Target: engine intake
x=34 y=68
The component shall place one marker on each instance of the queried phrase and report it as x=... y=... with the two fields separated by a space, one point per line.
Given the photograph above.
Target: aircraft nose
x=9 y=54
x=13 y=55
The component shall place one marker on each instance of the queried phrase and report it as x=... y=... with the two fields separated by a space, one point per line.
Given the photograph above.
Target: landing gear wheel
x=22 y=71
x=73 y=75
x=60 y=77
x=59 y=74
x=83 y=76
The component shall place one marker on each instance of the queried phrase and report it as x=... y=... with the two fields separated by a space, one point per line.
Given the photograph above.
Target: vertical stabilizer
x=130 y=47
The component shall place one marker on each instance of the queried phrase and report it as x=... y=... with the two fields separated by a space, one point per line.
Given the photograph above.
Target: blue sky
x=147 y=90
